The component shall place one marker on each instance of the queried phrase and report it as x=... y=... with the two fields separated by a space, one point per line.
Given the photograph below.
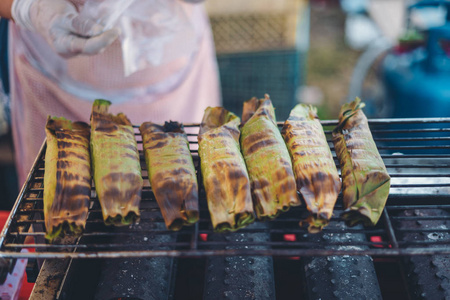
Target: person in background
x=61 y=61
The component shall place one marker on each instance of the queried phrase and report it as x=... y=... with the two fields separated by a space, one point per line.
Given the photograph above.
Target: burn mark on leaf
x=320 y=176
x=65 y=145
x=180 y=171
x=260 y=184
x=130 y=147
x=281 y=174
x=70 y=154
x=67 y=135
x=260 y=145
x=287 y=185
x=129 y=155
x=303 y=182
x=111 y=193
x=236 y=174
x=157 y=145
x=106 y=129
x=172 y=126
x=218 y=134
x=181 y=161
x=78 y=189
x=63 y=164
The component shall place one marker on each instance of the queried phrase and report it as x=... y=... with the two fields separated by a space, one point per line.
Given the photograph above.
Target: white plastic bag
x=153 y=32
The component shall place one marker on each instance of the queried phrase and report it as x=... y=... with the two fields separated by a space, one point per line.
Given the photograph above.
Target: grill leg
x=339 y=277
x=239 y=277
x=49 y=280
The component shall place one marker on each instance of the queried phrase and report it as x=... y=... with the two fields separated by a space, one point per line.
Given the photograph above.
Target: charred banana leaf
x=116 y=166
x=267 y=158
x=224 y=172
x=171 y=172
x=67 y=177
x=365 y=179
x=314 y=168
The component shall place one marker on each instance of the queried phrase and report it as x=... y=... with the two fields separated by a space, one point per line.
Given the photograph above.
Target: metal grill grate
x=415 y=151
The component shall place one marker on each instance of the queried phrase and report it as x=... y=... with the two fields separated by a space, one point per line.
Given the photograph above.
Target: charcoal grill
x=416 y=153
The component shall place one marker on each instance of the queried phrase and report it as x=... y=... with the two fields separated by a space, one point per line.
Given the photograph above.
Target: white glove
x=62 y=27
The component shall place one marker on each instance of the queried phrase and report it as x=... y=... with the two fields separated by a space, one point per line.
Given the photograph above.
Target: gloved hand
x=63 y=28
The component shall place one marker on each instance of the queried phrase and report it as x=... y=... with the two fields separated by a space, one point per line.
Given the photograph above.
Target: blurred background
x=296 y=50
x=391 y=53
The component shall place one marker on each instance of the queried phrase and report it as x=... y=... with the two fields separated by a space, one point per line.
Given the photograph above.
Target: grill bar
x=440 y=250
x=416 y=153
x=390 y=229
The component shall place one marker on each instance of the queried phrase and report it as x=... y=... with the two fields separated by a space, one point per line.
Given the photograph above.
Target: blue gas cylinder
x=417 y=81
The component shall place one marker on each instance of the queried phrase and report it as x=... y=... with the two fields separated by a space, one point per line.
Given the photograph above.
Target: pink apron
x=178 y=91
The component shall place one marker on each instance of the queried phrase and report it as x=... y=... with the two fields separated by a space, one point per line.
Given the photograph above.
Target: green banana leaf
x=116 y=165
x=67 y=178
x=224 y=173
x=171 y=172
x=313 y=164
x=365 y=180
x=267 y=158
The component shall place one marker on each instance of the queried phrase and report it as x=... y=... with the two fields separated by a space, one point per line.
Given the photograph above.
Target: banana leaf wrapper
x=171 y=172
x=313 y=164
x=267 y=158
x=224 y=173
x=67 y=178
x=365 y=180
x=116 y=165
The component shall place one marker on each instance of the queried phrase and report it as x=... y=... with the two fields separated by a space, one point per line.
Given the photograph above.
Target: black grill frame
x=424 y=142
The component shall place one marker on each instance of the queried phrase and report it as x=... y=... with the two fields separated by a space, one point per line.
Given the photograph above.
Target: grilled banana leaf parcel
x=267 y=158
x=116 y=166
x=365 y=179
x=224 y=172
x=67 y=177
x=314 y=168
x=171 y=172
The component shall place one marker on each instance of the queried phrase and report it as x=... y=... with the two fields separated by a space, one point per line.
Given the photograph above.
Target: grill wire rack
x=416 y=153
